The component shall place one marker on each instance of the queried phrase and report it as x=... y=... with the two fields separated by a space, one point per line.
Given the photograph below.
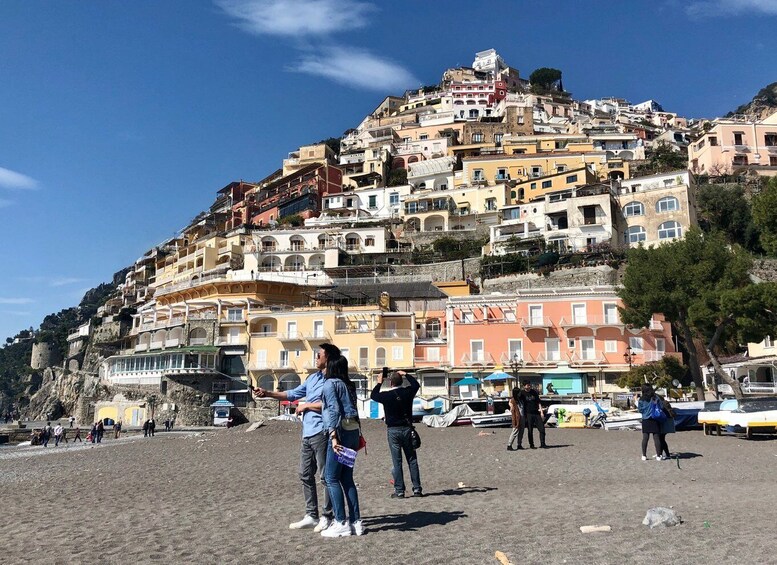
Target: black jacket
x=397 y=403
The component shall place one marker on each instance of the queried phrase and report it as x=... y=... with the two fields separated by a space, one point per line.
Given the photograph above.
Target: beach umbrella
x=498 y=376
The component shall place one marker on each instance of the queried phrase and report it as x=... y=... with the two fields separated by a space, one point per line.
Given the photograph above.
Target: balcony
x=507 y=358
x=230 y=340
x=548 y=358
x=198 y=341
x=592 y=322
x=141 y=347
x=182 y=371
x=353 y=330
x=477 y=359
x=417 y=360
x=394 y=334
x=650 y=356
x=317 y=336
x=288 y=365
x=589 y=357
x=157 y=344
x=289 y=336
x=656 y=326
x=233 y=320
x=172 y=342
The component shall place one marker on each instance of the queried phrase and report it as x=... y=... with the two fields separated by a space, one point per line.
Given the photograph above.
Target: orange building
x=572 y=337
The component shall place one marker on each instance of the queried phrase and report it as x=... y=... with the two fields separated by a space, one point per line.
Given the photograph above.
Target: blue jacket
x=337 y=404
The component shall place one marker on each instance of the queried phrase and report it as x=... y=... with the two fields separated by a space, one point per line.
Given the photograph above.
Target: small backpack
x=656 y=411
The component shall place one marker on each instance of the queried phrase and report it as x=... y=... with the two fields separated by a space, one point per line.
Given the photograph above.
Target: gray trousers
x=312 y=459
x=516 y=433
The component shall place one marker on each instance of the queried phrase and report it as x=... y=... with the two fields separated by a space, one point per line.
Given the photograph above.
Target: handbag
x=657 y=412
x=415 y=439
x=362 y=443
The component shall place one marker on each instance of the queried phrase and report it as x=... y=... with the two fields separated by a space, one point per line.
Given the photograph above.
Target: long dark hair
x=338 y=369
x=647 y=392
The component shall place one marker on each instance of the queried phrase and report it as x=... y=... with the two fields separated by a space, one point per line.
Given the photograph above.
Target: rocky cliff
x=762 y=105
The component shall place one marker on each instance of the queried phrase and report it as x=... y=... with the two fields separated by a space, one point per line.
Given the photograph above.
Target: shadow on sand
x=460 y=491
x=413 y=521
x=686 y=455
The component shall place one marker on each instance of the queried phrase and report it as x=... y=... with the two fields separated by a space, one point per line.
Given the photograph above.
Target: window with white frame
x=579 y=314
x=396 y=353
x=394 y=199
x=515 y=349
x=477 y=174
x=364 y=355
x=235 y=315
x=291 y=329
x=610 y=345
x=667 y=204
x=669 y=230
x=318 y=328
x=636 y=344
x=509 y=316
x=634 y=209
x=587 y=350
x=552 y=352
x=634 y=234
x=284 y=358
x=380 y=357
x=535 y=315
x=468 y=317
x=476 y=352
x=610 y=313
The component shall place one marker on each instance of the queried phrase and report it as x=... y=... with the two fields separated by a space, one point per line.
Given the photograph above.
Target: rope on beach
x=677 y=460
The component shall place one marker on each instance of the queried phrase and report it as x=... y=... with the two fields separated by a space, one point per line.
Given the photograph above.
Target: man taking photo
x=312 y=455
x=398 y=410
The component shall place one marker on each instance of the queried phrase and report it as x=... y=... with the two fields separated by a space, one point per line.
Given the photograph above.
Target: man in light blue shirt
x=312 y=456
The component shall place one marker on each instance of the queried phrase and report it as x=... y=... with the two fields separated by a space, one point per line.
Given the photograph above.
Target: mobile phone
x=385 y=373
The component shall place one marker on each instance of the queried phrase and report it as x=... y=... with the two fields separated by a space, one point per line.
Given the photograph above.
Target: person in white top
x=58 y=434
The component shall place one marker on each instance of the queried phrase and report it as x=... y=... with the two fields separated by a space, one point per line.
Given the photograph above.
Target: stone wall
x=448 y=271
x=764 y=270
x=583 y=276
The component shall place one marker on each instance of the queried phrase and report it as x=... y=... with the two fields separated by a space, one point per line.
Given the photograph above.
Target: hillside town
x=344 y=243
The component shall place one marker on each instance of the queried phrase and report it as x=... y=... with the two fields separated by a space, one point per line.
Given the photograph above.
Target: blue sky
x=120 y=120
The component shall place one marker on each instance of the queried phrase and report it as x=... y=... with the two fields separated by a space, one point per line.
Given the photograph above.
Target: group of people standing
x=330 y=426
x=527 y=413
x=657 y=421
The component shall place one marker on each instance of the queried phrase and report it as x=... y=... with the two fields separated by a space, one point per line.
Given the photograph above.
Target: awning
x=467 y=381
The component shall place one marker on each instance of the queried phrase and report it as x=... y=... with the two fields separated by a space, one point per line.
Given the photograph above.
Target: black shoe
x=532 y=447
x=543 y=446
x=510 y=448
x=519 y=447
x=397 y=495
x=418 y=494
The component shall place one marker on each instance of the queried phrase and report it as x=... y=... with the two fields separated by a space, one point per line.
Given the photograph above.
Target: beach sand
x=228 y=496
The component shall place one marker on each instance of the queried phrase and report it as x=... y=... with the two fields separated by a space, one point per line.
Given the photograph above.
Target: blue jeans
x=399 y=441
x=339 y=479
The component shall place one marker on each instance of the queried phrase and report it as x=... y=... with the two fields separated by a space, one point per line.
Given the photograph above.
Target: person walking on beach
x=93 y=432
x=58 y=434
x=529 y=398
x=145 y=428
x=314 y=439
x=78 y=435
x=666 y=426
x=46 y=435
x=397 y=404
x=72 y=420
x=117 y=430
x=341 y=423
x=100 y=431
x=518 y=421
x=651 y=426
x=167 y=424
x=151 y=427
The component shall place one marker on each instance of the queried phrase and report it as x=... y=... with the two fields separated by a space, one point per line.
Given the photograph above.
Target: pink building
x=572 y=337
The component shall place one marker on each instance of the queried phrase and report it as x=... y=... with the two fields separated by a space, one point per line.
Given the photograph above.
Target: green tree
x=701 y=284
x=397 y=177
x=662 y=159
x=659 y=373
x=765 y=215
x=725 y=208
x=545 y=79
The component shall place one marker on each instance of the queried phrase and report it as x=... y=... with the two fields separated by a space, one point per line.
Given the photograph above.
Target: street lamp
x=628 y=356
x=516 y=362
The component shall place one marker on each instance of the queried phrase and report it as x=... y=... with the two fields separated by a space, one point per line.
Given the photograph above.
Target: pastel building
x=572 y=337
x=656 y=209
x=737 y=142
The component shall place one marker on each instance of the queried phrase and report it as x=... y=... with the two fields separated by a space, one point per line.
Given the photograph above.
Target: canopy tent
x=467 y=381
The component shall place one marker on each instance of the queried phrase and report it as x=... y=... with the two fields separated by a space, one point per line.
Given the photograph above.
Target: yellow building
x=527 y=190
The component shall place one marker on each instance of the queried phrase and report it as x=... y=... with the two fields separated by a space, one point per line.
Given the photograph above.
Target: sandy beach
x=227 y=496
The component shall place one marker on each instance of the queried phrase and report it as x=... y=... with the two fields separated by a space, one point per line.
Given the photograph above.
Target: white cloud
x=357 y=68
x=16 y=301
x=712 y=8
x=12 y=179
x=298 y=18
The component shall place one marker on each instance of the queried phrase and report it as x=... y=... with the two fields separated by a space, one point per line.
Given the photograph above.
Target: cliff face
x=60 y=395
x=762 y=105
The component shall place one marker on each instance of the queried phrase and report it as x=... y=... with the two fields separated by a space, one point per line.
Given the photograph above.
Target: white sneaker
x=306 y=522
x=323 y=524
x=658 y=458
x=357 y=527
x=644 y=458
x=337 y=530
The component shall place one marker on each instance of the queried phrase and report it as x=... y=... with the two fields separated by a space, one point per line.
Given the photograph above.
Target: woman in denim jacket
x=341 y=422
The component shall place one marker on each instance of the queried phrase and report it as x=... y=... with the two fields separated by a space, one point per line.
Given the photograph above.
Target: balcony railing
x=506 y=358
x=589 y=357
x=470 y=359
x=227 y=340
x=650 y=356
x=393 y=334
x=270 y=365
x=353 y=330
x=656 y=326
x=289 y=336
x=317 y=336
x=141 y=347
x=537 y=322
x=548 y=358
x=264 y=334
x=590 y=322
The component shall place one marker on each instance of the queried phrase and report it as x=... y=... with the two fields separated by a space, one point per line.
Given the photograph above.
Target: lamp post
x=628 y=356
x=516 y=362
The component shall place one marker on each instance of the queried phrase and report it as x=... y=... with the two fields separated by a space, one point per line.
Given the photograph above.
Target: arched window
x=634 y=234
x=380 y=357
x=288 y=381
x=668 y=204
x=267 y=382
x=633 y=209
x=198 y=336
x=669 y=230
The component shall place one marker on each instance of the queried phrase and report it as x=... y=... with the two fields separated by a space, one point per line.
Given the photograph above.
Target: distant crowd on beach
x=59 y=433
